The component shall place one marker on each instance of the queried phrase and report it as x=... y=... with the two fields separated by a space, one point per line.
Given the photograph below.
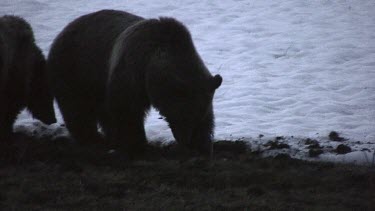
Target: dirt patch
x=343 y=149
x=54 y=175
x=276 y=144
x=334 y=136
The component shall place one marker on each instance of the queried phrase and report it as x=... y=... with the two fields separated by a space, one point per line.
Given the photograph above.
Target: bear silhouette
x=23 y=80
x=109 y=67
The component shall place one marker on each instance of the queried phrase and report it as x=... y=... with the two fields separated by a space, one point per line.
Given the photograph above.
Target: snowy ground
x=292 y=68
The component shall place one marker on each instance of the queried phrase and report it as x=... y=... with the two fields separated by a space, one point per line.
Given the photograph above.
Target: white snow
x=290 y=68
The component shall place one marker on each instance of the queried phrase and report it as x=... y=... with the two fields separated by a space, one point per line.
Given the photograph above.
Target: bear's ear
x=216 y=82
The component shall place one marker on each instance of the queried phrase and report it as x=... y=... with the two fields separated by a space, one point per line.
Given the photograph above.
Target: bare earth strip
x=55 y=175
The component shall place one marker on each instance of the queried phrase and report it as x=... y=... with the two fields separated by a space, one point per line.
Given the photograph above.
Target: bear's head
x=182 y=89
x=40 y=101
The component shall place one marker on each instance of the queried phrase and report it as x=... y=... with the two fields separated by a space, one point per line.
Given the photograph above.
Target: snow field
x=290 y=68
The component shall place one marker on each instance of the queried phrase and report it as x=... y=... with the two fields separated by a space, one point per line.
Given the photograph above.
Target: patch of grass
x=41 y=174
x=313 y=152
x=276 y=144
x=343 y=149
x=334 y=136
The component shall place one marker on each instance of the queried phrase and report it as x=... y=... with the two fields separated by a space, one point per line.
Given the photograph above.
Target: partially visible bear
x=109 y=67
x=23 y=81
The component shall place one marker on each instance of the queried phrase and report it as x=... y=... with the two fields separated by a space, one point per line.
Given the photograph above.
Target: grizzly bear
x=109 y=67
x=23 y=80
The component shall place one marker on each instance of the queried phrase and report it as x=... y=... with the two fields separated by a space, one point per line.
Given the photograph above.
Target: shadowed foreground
x=43 y=174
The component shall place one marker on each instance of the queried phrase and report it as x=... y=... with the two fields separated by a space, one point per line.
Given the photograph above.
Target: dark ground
x=56 y=175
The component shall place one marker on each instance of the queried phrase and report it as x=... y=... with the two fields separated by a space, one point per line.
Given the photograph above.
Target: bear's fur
x=109 y=67
x=23 y=81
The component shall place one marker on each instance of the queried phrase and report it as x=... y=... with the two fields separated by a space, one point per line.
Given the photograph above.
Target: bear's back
x=17 y=28
x=85 y=44
x=18 y=51
x=15 y=34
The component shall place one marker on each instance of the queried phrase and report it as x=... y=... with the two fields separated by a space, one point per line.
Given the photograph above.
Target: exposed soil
x=55 y=175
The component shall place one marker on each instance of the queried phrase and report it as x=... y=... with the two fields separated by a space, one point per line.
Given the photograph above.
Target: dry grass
x=46 y=175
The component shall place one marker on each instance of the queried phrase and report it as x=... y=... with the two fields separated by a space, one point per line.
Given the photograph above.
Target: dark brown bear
x=23 y=83
x=109 y=67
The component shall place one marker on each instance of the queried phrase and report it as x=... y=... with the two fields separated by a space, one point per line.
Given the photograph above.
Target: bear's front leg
x=125 y=125
x=7 y=120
